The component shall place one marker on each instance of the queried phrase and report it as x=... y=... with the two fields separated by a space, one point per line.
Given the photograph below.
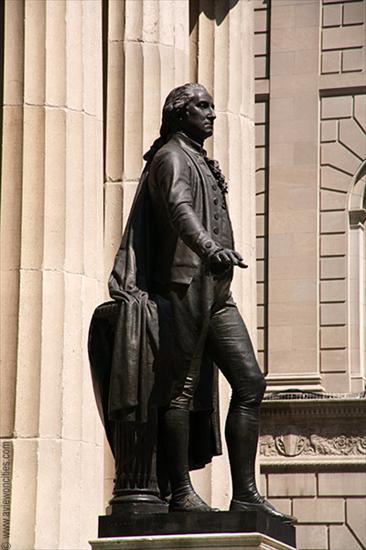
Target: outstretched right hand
x=226 y=258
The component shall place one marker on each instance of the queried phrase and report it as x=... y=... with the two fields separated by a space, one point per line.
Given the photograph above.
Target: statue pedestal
x=194 y=530
x=211 y=541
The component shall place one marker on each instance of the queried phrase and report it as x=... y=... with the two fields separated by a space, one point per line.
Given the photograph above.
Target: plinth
x=212 y=541
x=139 y=530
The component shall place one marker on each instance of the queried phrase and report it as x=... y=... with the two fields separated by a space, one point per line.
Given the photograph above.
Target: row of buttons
x=215 y=201
x=216 y=216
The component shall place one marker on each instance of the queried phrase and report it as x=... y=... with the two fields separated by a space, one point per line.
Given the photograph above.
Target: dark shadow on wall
x=213 y=9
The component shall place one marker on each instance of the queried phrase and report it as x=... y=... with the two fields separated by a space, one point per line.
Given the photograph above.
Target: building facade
x=311 y=249
x=82 y=90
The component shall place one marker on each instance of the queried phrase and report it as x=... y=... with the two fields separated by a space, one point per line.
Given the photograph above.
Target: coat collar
x=189 y=143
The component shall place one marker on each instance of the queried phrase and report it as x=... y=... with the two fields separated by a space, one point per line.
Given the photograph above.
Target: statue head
x=189 y=108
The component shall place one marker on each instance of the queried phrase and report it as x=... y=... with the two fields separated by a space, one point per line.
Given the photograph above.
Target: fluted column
x=148 y=55
x=225 y=66
x=52 y=227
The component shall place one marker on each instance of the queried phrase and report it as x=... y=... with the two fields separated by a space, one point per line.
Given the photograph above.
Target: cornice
x=314 y=407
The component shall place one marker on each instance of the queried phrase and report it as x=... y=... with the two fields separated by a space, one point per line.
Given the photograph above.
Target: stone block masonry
x=313 y=459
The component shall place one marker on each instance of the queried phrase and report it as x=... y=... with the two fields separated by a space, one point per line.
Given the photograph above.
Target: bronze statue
x=175 y=320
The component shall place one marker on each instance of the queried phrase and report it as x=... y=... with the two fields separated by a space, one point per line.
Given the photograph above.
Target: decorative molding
x=315 y=444
x=327 y=407
x=313 y=431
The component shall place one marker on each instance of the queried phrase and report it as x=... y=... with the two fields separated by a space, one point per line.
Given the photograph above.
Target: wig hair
x=175 y=105
x=173 y=111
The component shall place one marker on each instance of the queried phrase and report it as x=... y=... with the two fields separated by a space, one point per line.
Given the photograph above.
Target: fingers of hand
x=229 y=257
x=238 y=256
x=242 y=265
x=235 y=257
x=225 y=257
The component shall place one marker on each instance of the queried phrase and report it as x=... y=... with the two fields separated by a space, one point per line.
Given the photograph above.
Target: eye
x=203 y=104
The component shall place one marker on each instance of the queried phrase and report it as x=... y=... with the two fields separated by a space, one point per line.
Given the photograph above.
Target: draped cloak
x=124 y=338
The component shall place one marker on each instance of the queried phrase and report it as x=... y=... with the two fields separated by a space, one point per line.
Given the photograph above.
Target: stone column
x=148 y=55
x=225 y=50
x=225 y=65
x=52 y=261
x=293 y=196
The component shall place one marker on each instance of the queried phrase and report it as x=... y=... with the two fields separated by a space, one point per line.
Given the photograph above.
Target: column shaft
x=148 y=55
x=53 y=194
x=293 y=196
x=226 y=67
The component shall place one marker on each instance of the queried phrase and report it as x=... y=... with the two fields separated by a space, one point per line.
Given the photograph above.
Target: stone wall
x=310 y=178
x=342 y=36
x=313 y=454
x=299 y=98
x=330 y=507
x=342 y=150
x=310 y=143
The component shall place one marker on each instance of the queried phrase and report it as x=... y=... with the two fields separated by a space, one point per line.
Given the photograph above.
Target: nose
x=212 y=114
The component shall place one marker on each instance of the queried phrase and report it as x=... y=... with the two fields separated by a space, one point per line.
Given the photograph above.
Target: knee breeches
x=229 y=345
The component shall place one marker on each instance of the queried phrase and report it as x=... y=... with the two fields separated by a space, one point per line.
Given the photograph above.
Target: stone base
x=178 y=523
x=211 y=541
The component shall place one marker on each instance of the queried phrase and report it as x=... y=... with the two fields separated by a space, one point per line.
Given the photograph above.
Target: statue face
x=199 y=116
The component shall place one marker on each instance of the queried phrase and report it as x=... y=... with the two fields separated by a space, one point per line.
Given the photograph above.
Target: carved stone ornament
x=291 y=445
x=304 y=431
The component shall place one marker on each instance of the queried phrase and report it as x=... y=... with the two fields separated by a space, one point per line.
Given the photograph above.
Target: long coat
x=167 y=240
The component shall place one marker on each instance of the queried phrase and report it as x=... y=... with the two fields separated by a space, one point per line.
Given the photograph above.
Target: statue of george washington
x=175 y=320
